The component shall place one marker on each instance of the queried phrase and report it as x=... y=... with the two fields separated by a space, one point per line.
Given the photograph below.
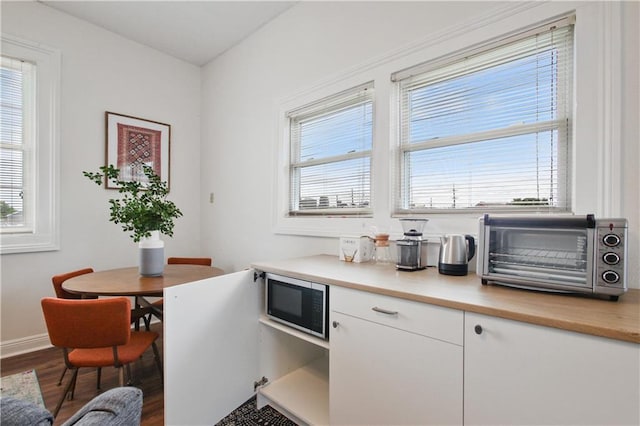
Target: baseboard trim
x=24 y=345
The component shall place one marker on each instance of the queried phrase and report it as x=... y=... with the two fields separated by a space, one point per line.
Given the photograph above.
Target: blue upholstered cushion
x=16 y=412
x=116 y=407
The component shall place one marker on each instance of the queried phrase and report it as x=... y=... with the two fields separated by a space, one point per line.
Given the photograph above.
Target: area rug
x=23 y=386
x=249 y=415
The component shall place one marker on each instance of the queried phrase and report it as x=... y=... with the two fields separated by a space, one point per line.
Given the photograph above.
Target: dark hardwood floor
x=49 y=364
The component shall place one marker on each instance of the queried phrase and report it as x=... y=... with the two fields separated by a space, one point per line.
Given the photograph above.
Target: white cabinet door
x=210 y=347
x=385 y=376
x=518 y=373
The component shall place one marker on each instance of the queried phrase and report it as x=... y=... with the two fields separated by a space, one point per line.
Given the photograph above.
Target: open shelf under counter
x=301 y=395
x=292 y=331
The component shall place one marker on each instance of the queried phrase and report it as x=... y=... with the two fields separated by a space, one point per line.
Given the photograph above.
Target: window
x=330 y=166
x=17 y=93
x=489 y=129
x=29 y=89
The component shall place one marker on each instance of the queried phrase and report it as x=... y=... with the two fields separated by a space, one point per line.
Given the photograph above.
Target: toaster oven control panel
x=610 y=262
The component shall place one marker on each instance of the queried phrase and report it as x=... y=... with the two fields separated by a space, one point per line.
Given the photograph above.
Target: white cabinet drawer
x=427 y=320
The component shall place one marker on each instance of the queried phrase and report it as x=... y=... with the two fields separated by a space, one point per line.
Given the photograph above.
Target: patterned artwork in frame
x=134 y=142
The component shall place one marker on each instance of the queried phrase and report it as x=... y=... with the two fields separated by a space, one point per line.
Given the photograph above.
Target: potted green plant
x=143 y=211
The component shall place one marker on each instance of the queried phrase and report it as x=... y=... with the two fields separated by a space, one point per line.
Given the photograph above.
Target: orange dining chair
x=61 y=293
x=158 y=305
x=96 y=333
x=58 y=280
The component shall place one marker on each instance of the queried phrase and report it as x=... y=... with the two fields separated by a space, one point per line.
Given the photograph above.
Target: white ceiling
x=194 y=31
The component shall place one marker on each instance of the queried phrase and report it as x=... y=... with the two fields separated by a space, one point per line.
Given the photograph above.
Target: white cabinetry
x=394 y=361
x=517 y=373
x=215 y=348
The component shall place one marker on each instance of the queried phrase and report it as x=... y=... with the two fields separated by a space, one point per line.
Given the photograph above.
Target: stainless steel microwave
x=558 y=253
x=300 y=304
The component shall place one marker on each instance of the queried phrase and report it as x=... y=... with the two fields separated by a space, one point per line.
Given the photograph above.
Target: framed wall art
x=133 y=142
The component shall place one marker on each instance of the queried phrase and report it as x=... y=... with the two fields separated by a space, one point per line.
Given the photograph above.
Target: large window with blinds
x=489 y=129
x=330 y=155
x=29 y=126
x=17 y=109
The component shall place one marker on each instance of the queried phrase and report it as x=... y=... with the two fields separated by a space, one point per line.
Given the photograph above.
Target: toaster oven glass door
x=559 y=256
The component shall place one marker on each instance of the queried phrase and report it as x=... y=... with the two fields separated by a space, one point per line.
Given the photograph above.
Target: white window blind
x=17 y=113
x=489 y=129
x=330 y=159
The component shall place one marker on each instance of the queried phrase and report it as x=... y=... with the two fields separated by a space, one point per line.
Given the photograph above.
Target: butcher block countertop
x=600 y=317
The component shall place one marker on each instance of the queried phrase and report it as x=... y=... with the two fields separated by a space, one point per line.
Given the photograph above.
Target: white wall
x=309 y=44
x=315 y=43
x=100 y=72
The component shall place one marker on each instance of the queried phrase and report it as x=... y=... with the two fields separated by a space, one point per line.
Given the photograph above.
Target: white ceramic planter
x=151 y=255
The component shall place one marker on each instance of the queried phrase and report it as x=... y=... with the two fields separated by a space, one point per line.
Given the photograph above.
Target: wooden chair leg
x=66 y=391
x=99 y=376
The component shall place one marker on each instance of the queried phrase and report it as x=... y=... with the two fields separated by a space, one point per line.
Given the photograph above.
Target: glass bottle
x=383 y=252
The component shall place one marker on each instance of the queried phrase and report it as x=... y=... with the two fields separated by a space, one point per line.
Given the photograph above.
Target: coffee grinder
x=411 y=254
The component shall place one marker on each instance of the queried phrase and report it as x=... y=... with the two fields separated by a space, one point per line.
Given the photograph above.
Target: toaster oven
x=556 y=253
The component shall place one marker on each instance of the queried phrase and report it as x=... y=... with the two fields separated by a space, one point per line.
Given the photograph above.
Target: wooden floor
x=49 y=364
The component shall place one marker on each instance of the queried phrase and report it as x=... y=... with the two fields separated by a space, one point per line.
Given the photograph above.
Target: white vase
x=151 y=255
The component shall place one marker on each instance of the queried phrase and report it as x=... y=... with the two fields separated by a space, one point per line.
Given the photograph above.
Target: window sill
x=14 y=244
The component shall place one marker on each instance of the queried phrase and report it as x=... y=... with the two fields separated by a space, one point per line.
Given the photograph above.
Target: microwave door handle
x=384 y=311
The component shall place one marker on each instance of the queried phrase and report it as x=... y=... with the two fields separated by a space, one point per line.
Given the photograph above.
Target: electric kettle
x=455 y=253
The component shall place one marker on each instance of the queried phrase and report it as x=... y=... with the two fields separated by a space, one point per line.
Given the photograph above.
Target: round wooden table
x=128 y=282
